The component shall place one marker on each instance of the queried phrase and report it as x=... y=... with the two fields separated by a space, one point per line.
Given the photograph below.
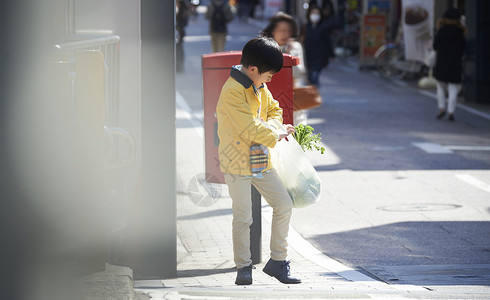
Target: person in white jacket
x=282 y=28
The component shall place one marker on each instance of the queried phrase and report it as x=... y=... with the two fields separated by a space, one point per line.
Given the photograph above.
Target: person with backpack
x=219 y=15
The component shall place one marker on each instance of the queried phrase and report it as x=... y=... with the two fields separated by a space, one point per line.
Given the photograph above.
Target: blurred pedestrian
x=449 y=44
x=219 y=15
x=181 y=19
x=325 y=5
x=253 y=8
x=244 y=9
x=317 y=42
x=282 y=28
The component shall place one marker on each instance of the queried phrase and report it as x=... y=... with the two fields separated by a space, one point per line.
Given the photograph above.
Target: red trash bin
x=215 y=71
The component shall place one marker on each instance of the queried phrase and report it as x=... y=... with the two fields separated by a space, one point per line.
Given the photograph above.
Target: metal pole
x=10 y=219
x=158 y=211
x=256 y=227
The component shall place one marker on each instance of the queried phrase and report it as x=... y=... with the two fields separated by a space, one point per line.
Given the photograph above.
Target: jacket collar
x=243 y=79
x=240 y=77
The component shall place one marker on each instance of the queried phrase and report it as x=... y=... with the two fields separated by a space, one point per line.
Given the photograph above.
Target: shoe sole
x=267 y=273
x=279 y=279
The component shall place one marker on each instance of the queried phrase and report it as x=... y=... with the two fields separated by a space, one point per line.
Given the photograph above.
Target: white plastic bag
x=296 y=172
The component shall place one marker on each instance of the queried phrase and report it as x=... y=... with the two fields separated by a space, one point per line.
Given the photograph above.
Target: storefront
x=477 y=64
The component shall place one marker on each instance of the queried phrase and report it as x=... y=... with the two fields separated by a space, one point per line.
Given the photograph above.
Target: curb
x=114 y=283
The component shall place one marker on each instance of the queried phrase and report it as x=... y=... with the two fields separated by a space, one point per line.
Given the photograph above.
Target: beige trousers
x=218 y=40
x=271 y=188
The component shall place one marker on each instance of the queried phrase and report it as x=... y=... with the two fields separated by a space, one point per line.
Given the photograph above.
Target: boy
x=247 y=120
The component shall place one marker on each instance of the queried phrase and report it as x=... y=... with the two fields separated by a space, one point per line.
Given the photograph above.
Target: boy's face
x=259 y=78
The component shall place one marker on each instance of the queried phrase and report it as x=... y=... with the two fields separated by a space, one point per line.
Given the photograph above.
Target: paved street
x=405 y=197
x=400 y=200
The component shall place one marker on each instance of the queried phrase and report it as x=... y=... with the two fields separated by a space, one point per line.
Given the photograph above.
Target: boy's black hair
x=264 y=53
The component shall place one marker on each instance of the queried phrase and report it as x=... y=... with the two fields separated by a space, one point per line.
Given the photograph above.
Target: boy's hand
x=289 y=128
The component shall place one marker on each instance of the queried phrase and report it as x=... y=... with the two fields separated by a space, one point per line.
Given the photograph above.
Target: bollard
x=256 y=227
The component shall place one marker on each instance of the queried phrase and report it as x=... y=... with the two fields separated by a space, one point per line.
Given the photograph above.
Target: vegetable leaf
x=307 y=139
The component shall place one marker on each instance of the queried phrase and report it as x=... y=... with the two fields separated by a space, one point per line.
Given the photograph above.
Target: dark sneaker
x=244 y=276
x=451 y=117
x=441 y=114
x=280 y=270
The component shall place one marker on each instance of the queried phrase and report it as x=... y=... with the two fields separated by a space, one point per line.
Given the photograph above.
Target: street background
x=404 y=203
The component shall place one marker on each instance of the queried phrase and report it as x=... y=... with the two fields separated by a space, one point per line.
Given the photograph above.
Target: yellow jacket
x=239 y=124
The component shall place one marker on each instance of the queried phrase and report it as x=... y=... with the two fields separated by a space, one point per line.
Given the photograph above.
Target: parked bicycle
x=346 y=40
x=346 y=44
x=391 y=63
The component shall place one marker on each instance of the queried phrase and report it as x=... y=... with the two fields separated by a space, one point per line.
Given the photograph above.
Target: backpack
x=218 y=19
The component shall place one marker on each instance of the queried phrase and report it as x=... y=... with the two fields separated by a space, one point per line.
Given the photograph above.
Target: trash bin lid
x=225 y=60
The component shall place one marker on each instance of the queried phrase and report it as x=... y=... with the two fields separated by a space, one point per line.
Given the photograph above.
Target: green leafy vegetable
x=307 y=139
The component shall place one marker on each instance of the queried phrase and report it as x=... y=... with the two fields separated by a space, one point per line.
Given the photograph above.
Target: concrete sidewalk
x=205 y=258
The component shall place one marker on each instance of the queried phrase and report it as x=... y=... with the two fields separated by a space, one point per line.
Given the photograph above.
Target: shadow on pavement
x=206 y=214
x=203 y=272
x=416 y=245
x=209 y=214
x=382 y=164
